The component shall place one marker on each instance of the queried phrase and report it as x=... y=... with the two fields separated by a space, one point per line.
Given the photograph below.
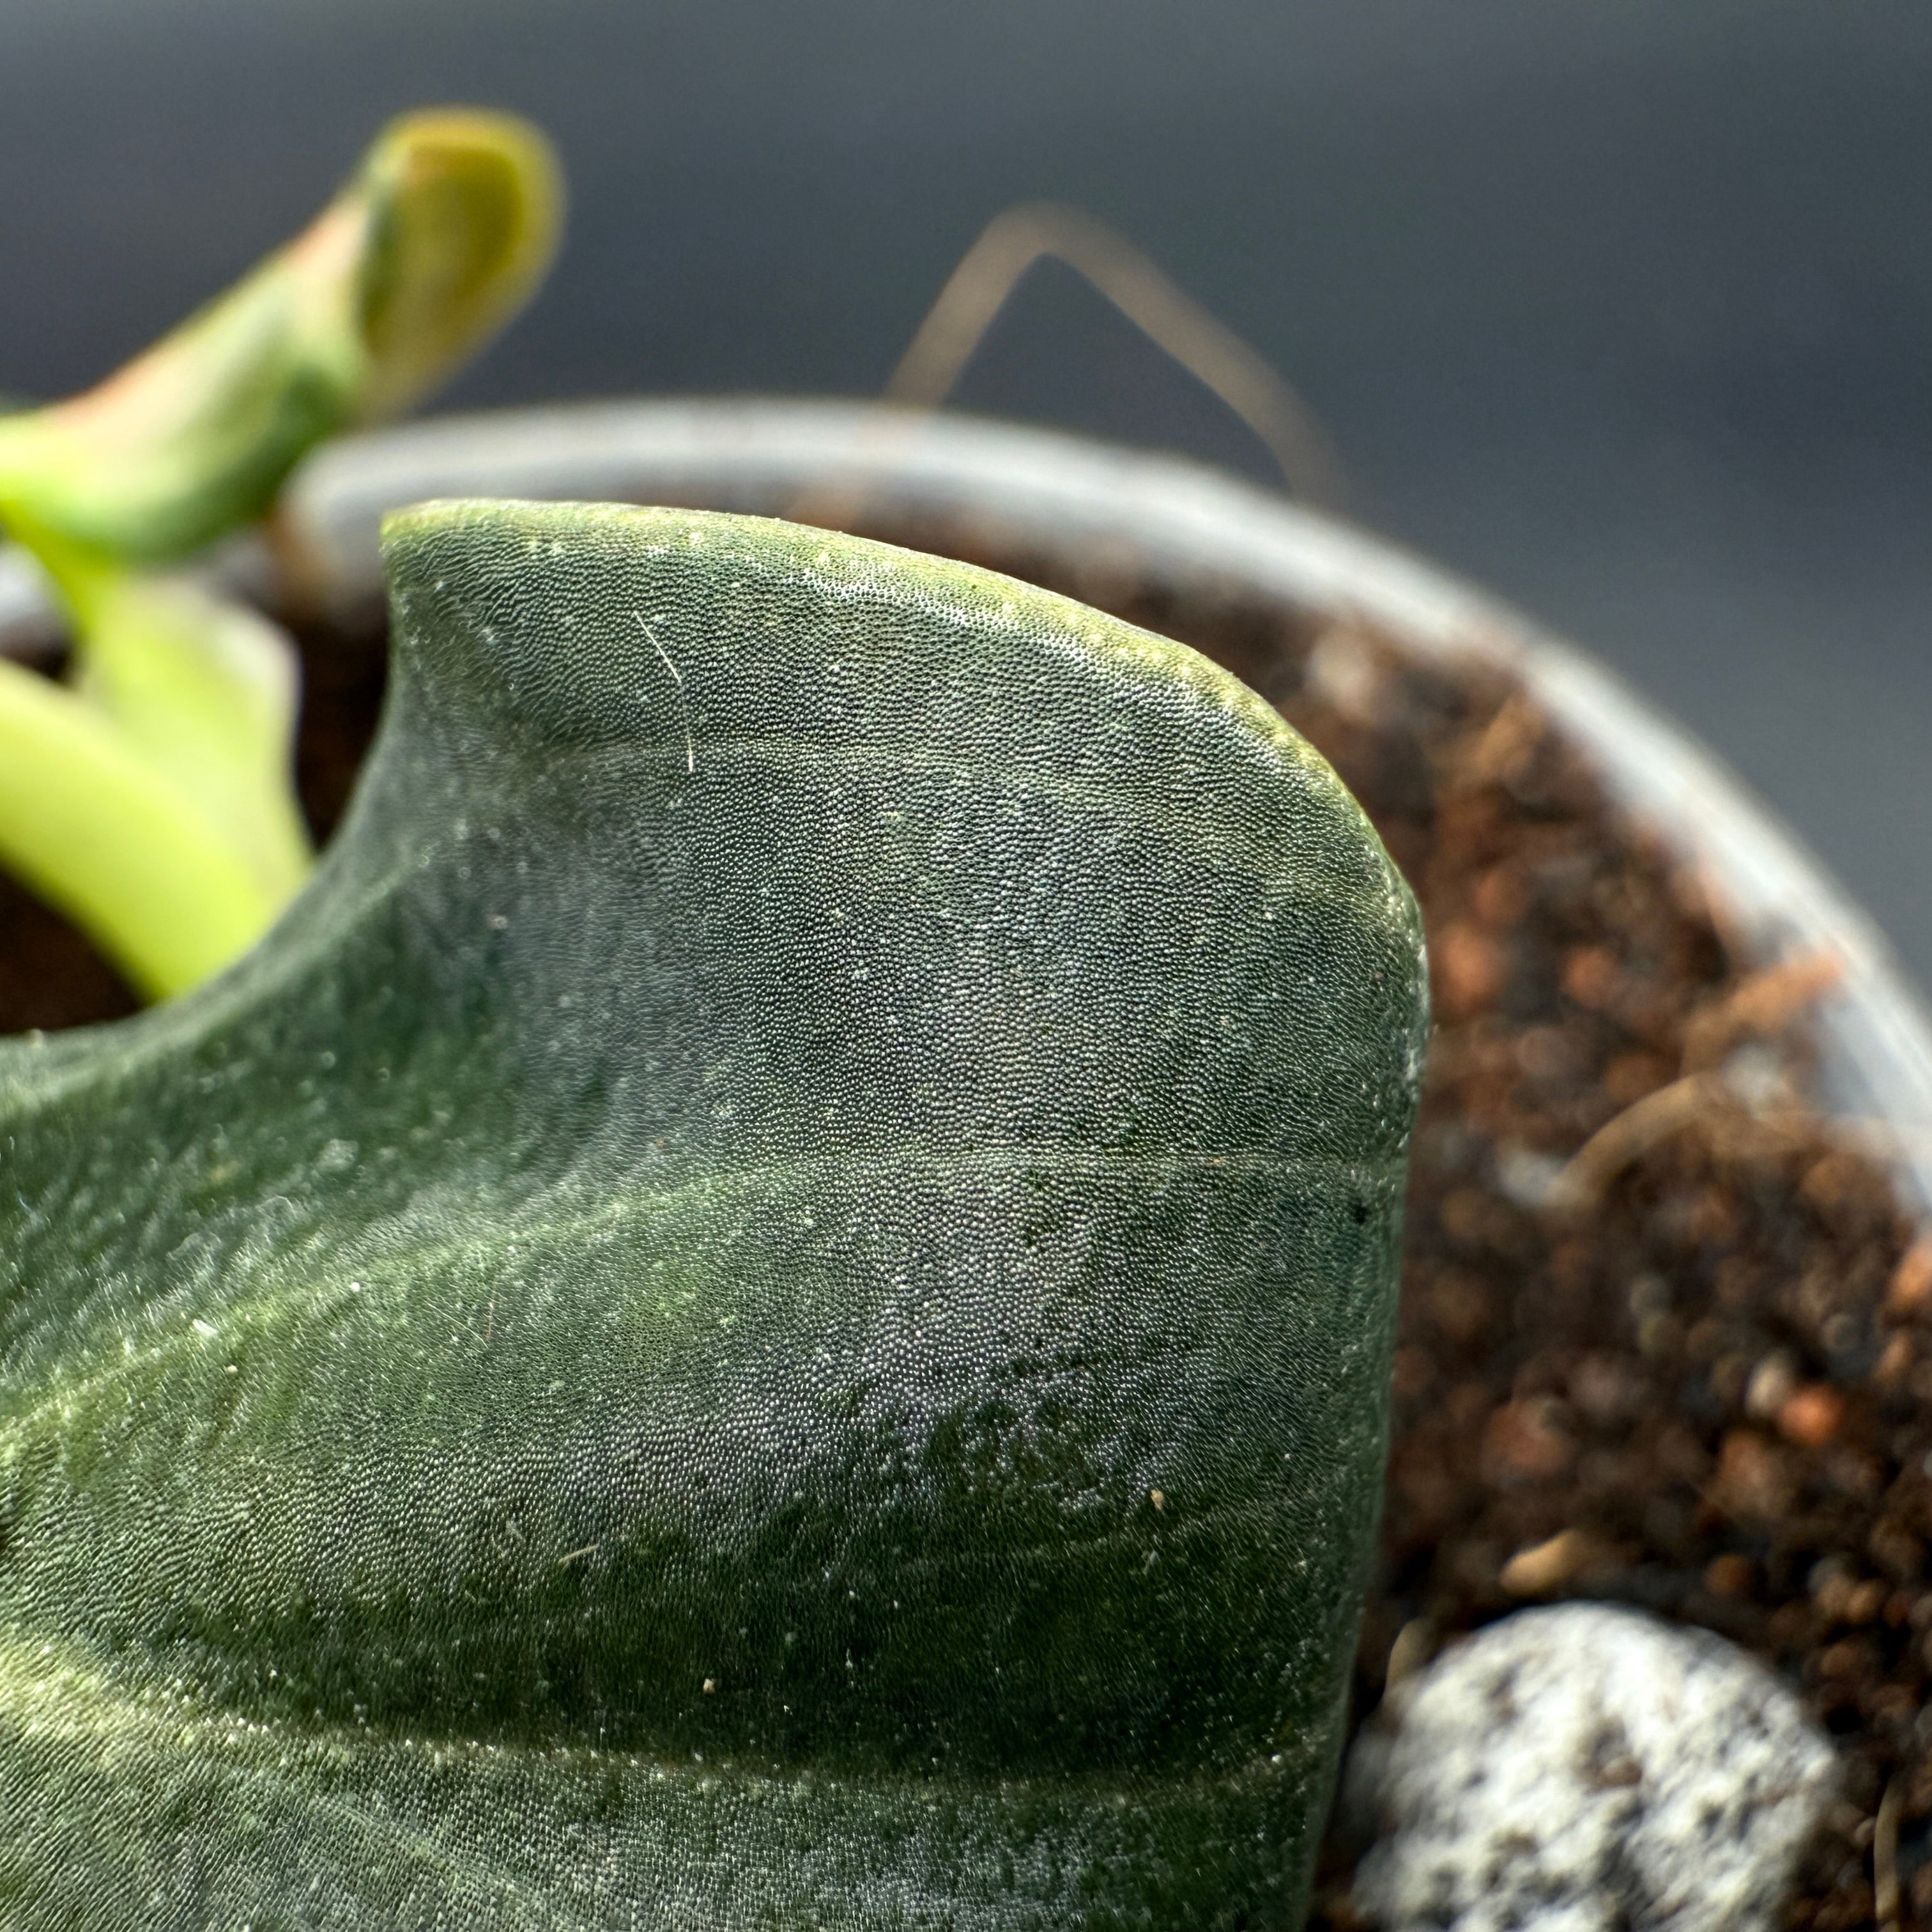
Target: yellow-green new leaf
x=444 y=231
x=465 y=212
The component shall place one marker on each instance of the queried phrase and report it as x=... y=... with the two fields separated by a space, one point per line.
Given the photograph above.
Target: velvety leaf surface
x=768 y=1306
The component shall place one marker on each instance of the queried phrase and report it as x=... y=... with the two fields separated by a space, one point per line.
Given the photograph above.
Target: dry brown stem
x=980 y=286
x=1885 y=1856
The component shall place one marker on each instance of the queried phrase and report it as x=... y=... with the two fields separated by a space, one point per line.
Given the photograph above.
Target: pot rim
x=1187 y=522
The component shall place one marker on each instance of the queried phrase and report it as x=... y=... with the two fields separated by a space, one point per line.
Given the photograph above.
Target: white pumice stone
x=1585 y=1768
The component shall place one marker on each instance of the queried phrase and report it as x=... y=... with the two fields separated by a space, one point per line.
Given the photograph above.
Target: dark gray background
x=1623 y=308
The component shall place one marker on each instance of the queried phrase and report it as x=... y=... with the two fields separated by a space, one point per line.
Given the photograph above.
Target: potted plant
x=1660 y=1333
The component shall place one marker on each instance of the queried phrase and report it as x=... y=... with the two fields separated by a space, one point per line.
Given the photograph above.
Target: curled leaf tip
x=443 y=232
x=466 y=207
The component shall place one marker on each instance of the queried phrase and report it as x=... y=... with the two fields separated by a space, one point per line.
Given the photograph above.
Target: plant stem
x=90 y=826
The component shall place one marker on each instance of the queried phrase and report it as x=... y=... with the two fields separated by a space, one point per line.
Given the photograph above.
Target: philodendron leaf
x=154 y=804
x=768 y=1305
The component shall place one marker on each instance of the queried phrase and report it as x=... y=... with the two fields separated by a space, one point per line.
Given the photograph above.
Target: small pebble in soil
x=1585 y=1768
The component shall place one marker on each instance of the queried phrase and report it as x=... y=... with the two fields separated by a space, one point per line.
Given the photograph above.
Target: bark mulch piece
x=1666 y=1333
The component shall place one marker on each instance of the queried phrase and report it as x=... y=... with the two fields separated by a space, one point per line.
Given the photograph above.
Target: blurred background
x=1624 y=309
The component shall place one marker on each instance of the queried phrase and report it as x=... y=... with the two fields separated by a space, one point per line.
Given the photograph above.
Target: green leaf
x=768 y=1306
x=444 y=233
x=465 y=209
